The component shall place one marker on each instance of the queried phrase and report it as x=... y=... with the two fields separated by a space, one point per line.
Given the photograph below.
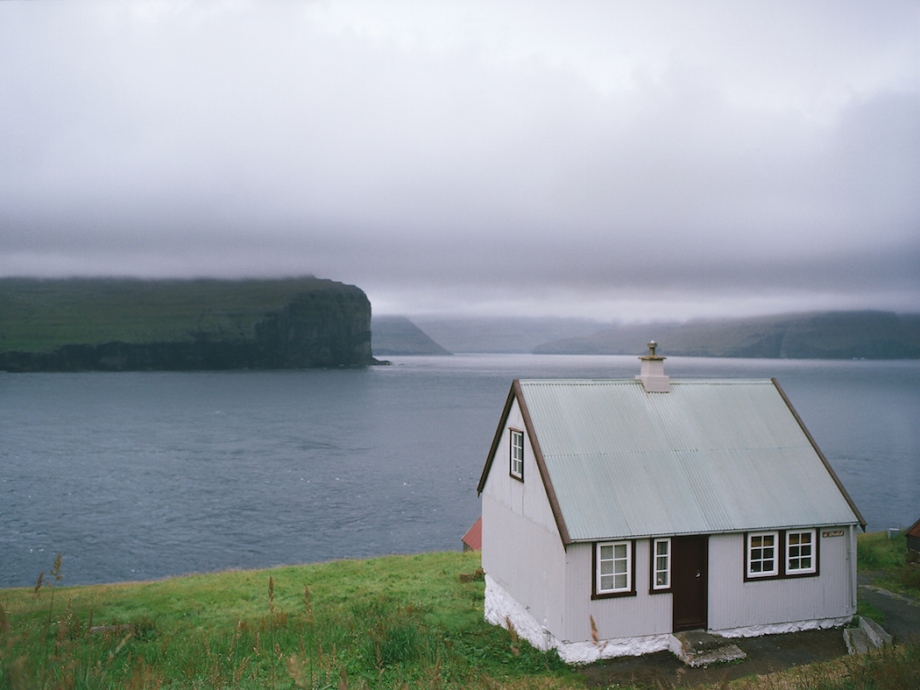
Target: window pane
x=762 y=554
x=799 y=551
x=614 y=567
x=517 y=453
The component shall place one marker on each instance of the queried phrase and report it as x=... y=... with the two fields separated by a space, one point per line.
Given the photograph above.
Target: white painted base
x=781 y=628
x=501 y=609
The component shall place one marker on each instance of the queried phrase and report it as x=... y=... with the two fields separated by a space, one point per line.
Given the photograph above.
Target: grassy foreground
x=399 y=621
x=387 y=622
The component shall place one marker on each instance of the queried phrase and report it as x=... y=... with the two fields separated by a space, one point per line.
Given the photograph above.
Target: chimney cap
x=652 y=346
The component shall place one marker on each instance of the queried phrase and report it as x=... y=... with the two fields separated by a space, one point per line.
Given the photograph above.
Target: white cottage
x=618 y=512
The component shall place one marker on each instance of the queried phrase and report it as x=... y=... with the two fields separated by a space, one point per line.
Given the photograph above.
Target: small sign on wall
x=832 y=533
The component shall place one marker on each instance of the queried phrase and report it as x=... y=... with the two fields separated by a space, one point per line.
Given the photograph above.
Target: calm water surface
x=144 y=475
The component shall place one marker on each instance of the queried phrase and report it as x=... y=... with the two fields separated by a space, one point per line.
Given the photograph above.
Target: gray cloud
x=543 y=158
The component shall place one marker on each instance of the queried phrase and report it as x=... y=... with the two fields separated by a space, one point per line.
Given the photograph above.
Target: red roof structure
x=472 y=540
x=913 y=537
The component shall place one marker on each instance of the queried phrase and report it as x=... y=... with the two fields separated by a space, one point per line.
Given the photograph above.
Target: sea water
x=135 y=476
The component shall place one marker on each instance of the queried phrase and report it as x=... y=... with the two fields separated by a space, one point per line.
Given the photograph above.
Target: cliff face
x=325 y=325
x=317 y=330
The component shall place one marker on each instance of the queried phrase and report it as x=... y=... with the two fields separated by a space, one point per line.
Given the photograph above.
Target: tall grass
x=877 y=552
x=392 y=622
x=402 y=621
x=888 y=668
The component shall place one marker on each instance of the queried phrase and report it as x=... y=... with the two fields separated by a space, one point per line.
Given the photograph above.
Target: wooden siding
x=734 y=603
x=526 y=498
x=633 y=616
x=521 y=546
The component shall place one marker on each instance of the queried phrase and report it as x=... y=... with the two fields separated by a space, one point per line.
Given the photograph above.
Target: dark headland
x=182 y=325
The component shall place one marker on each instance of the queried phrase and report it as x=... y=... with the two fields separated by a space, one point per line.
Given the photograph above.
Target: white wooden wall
x=734 y=603
x=521 y=546
x=619 y=617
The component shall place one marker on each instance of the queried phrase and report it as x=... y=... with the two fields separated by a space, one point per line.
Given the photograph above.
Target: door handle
x=697 y=573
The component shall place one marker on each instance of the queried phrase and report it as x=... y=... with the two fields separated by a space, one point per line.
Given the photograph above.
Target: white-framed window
x=800 y=552
x=661 y=564
x=614 y=567
x=517 y=454
x=762 y=554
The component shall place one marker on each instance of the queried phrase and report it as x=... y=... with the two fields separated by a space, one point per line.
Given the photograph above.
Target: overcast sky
x=618 y=160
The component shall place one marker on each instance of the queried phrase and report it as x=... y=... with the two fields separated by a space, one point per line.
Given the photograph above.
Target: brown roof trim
x=541 y=465
x=517 y=393
x=827 y=465
x=496 y=440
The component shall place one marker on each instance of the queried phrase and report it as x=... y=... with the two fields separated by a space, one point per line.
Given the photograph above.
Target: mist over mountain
x=502 y=334
x=815 y=335
x=397 y=335
x=823 y=335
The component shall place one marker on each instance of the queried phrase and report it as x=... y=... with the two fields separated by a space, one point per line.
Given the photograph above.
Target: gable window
x=517 y=454
x=661 y=564
x=800 y=552
x=762 y=554
x=613 y=568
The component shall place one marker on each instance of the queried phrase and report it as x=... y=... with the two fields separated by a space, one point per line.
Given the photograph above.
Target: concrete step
x=868 y=635
x=698 y=648
x=877 y=635
x=857 y=640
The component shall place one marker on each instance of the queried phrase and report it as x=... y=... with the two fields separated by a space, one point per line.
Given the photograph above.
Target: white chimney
x=652 y=372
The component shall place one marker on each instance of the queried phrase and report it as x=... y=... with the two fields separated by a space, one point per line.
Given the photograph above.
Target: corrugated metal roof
x=710 y=456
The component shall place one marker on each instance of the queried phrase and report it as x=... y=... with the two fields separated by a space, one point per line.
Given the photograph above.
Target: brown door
x=690 y=582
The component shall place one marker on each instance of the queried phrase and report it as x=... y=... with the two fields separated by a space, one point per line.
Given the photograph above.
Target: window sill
x=613 y=595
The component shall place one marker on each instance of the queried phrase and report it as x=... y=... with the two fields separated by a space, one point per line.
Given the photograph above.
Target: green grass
x=399 y=621
x=889 y=668
x=877 y=553
x=386 y=622
x=40 y=315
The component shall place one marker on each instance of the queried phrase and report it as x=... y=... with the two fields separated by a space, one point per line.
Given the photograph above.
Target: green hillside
x=40 y=315
x=121 y=324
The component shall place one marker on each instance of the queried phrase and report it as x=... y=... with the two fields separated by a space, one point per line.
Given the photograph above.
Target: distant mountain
x=501 y=334
x=824 y=335
x=397 y=335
